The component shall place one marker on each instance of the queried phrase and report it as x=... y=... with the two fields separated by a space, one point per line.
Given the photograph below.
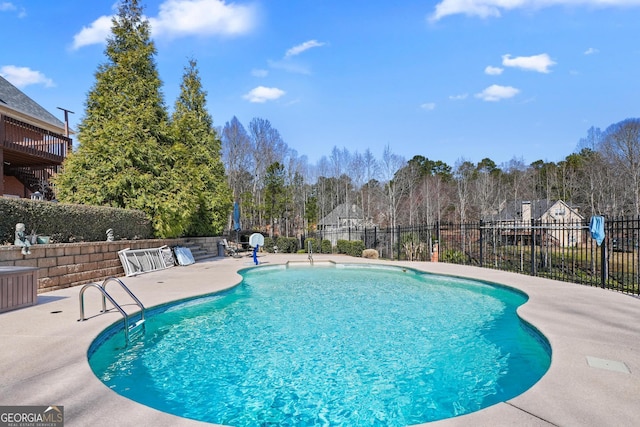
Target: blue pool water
x=344 y=345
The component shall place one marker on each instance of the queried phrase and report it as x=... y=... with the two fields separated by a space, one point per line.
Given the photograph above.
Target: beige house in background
x=556 y=222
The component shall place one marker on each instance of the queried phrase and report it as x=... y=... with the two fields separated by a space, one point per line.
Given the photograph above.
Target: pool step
x=136 y=329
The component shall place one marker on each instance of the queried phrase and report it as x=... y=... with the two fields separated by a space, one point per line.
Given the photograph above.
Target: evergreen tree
x=123 y=135
x=197 y=172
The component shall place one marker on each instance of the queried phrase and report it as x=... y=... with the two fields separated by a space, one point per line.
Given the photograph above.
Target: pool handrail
x=105 y=296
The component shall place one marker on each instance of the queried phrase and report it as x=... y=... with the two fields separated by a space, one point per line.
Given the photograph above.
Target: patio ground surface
x=594 y=378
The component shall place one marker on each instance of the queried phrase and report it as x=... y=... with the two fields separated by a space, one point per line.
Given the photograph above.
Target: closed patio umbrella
x=236 y=219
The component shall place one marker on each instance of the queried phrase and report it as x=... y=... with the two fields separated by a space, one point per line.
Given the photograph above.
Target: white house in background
x=559 y=223
x=342 y=217
x=345 y=222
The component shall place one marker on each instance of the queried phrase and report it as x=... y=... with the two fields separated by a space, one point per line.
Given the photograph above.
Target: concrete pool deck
x=594 y=378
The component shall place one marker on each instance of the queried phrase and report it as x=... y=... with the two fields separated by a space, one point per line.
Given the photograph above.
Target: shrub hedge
x=288 y=245
x=317 y=246
x=453 y=256
x=353 y=248
x=66 y=223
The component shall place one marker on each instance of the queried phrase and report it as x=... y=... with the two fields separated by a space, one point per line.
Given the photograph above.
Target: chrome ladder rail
x=107 y=296
x=310 y=250
x=133 y=297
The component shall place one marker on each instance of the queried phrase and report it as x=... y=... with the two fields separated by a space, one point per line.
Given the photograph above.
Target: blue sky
x=448 y=79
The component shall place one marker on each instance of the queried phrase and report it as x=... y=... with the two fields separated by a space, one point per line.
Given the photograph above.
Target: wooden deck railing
x=23 y=137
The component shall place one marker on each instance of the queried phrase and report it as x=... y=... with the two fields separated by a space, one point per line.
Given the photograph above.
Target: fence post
x=481 y=245
x=365 y=239
x=375 y=237
x=604 y=263
x=533 y=247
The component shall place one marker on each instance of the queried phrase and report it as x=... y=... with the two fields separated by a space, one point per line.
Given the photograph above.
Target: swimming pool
x=348 y=345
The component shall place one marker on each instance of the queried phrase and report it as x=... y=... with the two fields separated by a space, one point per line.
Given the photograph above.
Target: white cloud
x=24 y=76
x=494 y=8
x=289 y=66
x=297 y=50
x=203 y=17
x=591 y=51
x=259 y=72
x=493 y=71
x=497 y=92
x=95 y=33
x=539 y=63
x=179 y=18
x=429 y=106
x=458 y=97
x=6 y=6
x=10 y=7
x=479 y=8
x=263 y=94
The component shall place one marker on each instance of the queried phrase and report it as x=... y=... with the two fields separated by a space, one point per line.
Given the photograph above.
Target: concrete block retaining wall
x=62 y=265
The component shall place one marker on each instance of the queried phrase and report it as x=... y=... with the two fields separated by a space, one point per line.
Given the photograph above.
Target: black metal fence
x=556 y=250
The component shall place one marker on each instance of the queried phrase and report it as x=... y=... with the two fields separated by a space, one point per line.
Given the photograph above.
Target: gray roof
x=513 y=209
x=12 y=98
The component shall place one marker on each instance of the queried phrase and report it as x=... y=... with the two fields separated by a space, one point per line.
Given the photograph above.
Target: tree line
x=281 y=192
x=186 y=174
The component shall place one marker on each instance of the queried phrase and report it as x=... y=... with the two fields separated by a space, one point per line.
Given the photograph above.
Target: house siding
x=562 y=223
x=13 y=187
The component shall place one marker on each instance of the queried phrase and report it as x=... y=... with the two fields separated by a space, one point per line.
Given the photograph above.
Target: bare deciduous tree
x=237 y=153
x=391 y=164
x=621 y=146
